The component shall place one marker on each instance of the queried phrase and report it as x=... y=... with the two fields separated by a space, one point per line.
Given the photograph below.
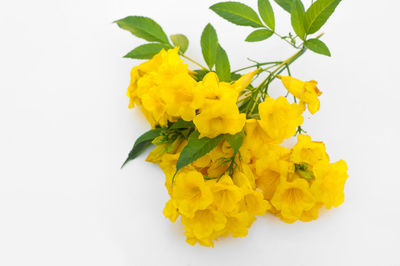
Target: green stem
x=194 y=62
x=280 y=36
x=257 y=65
x=281 y=67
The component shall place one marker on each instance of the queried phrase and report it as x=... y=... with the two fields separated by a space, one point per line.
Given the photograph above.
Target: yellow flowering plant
x=218 y=136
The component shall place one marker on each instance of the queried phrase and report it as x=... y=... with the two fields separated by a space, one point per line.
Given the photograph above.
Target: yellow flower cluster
x=213 y=198
x=163 y=87
x=166 y=91
x=216 y=207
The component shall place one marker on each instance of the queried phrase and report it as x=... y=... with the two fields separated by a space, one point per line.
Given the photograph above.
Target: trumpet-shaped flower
x=226 y=194
x=306 y=91
x=205 y=223
x=190 y=193
x=220 y=118
x=308 y=152
x=170 y=211
x=329 y=182
x=279 y=118
x=292 y=198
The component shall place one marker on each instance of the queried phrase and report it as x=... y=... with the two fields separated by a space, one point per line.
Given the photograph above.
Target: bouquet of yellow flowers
x=218 y=136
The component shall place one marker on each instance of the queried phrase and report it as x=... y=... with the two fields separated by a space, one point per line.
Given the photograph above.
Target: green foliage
x=196 y=148
x=297 y=18
x=259 y=35
x=235 y=141
x=235 y=76
x=181 y=124
x=144 y=28
x=199 y=74
x=222 y=66
x=317 y=46
x=318 y=13
x=285 y=4
x=209 y=45
x=237 y=13
x=267 y=13
x=142 y=143
x=181 y=41
x=147 y=51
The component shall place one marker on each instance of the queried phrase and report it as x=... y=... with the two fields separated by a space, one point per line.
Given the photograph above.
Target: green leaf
x=267 y=13
x=147 y=51
x=318 y=13
x=209 y=45
x=142 y=143
x=317 y=46
x=285 y=4
x=235 y=76
x=196 y=148
x=222 y=66
x=297 y=18
x=182 y=124
x=181 y=41
x=199 y=74
x=144 y=28
x=259 y=35
x=237 y=13
x=235 y=141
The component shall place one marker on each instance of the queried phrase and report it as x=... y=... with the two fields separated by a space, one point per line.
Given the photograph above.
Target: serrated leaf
x=317 y=46
x=236 y=141
x=259 y=35
x=267 y=13
x=209 y=45
x=180 y=40
x=182 y=124
x=237 y=13
x=143 y=27
x=285 y=4
x=318 y=13
x=196 y=148
x=297 y=18
x=222 y=66
x=147 y=51
x=142 y=143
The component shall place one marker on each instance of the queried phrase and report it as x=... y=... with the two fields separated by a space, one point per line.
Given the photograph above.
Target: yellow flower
x=156 y=154
x=170 y=211
x=192 y=240
x=132 y=89
x=237 y=225
x=216 y=104
x=307 y=92
x=163 y=87
x=308 y=152
x=210 y=91
x=255 y=137
x=243 y=176
x=244 y=81
x=219 y=118
x=168 y=165
x=311 y=214
x=178 y=96
x=190 y=193
x=269 y=169
x=226 y=194
x=253 y=202
x=279 y=118
x=329 y=183
x=204 y=224
x=292 y=198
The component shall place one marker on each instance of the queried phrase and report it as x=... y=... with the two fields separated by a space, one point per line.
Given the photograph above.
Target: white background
x=66 y=129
